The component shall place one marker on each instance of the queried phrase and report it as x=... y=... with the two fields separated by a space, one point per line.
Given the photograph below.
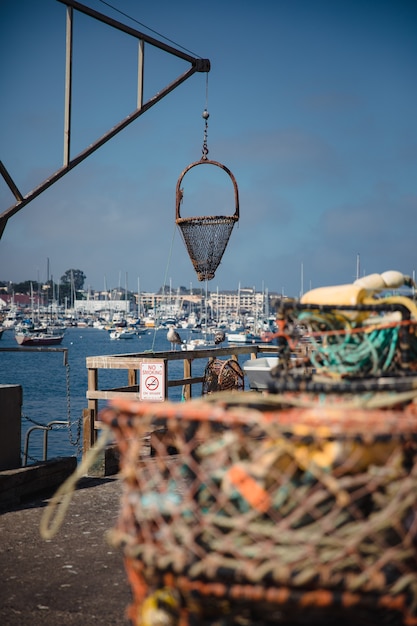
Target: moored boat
x=196 y=344
x=38 y=339
x=122 y=333
x=243 y=337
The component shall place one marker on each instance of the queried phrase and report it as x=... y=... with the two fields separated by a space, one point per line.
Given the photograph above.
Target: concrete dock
x=75 y=578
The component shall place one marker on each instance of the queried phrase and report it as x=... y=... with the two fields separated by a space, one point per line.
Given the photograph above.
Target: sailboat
x=38 y=338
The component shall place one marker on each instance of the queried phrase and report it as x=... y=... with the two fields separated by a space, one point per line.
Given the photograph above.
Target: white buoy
x=393 y=279
x=374 y=282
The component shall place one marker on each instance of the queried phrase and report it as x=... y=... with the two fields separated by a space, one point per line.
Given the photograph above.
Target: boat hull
x=196 y=344
x=242 y=338
x=122 y=334
x=38 y=340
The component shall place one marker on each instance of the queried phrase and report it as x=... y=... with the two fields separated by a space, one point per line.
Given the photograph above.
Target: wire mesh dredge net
x=206 y=237
x=285 y=506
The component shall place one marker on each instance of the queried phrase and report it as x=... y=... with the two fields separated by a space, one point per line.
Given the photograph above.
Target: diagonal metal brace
x=196 y=65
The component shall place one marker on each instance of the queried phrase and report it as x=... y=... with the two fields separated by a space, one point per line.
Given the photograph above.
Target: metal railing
x=132 y=364
x=46 y=429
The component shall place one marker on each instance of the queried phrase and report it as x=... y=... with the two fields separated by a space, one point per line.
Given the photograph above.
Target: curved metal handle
x=202 y=162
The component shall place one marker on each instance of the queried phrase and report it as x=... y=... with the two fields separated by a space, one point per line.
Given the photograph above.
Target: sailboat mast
x=302 y=280
x=138 y=298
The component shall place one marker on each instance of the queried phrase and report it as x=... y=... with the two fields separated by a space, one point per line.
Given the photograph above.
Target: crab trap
x=262 y=510
x=357 y=348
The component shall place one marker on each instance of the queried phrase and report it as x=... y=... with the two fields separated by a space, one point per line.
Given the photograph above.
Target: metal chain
x=32 y=421
x=205 y=150
x=76 y=441
x=30 y=457
x=205 y=116
x=41 y=425
x=69 y=425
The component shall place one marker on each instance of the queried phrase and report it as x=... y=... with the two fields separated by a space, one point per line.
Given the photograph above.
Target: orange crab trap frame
x=267 y=512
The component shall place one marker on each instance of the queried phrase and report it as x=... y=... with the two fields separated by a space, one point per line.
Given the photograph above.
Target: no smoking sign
x=152 y=381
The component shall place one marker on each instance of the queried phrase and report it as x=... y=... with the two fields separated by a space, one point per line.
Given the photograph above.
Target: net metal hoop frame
x=206 y=237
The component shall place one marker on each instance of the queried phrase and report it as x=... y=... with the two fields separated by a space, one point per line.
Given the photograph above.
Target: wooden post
x=187 y=374
x=131 y=378
x=88 y=430
x=90 y=413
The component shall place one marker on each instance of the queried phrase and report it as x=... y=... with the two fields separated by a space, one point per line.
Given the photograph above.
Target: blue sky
x=312 y=107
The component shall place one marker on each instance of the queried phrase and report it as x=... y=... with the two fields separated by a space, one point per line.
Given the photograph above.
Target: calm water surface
x=54 y=391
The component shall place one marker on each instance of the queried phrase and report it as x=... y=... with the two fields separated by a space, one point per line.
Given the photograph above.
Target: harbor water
x=54 y=391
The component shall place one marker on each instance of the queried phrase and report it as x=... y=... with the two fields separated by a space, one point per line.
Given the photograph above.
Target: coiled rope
x=349 y=352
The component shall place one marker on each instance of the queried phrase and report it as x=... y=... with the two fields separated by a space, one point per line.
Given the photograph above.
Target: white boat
x=236 y=326
x=245 y=337
x=122 y=333
x=196 y=344
x=12 y=318
x=100 y=324
x=149 y=321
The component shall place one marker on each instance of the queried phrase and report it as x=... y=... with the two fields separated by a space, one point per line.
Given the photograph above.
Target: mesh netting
x=222 y=375
x=313 y=506
x=206 y=239
x=347 y=348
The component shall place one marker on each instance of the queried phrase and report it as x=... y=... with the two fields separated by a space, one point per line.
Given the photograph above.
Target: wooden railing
x=132 y=364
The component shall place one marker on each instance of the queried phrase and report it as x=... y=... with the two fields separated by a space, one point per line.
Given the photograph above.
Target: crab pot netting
x=347 y=348
x=313 y=505
x=206 y=237
x=222 y=375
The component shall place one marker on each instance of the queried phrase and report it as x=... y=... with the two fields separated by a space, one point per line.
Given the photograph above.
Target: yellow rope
x=61 y=500
x=374 y=400
x=407 y=302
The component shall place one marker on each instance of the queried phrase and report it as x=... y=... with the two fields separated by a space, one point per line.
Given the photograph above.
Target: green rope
x=349 y=352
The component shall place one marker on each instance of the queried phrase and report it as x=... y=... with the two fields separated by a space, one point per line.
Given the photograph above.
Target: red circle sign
x=152 y=383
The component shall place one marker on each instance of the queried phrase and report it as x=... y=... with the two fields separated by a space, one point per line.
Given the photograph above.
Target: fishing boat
x=25 y=338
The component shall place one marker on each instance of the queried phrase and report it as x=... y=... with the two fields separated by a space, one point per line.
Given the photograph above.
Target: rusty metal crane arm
x=196 y=65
